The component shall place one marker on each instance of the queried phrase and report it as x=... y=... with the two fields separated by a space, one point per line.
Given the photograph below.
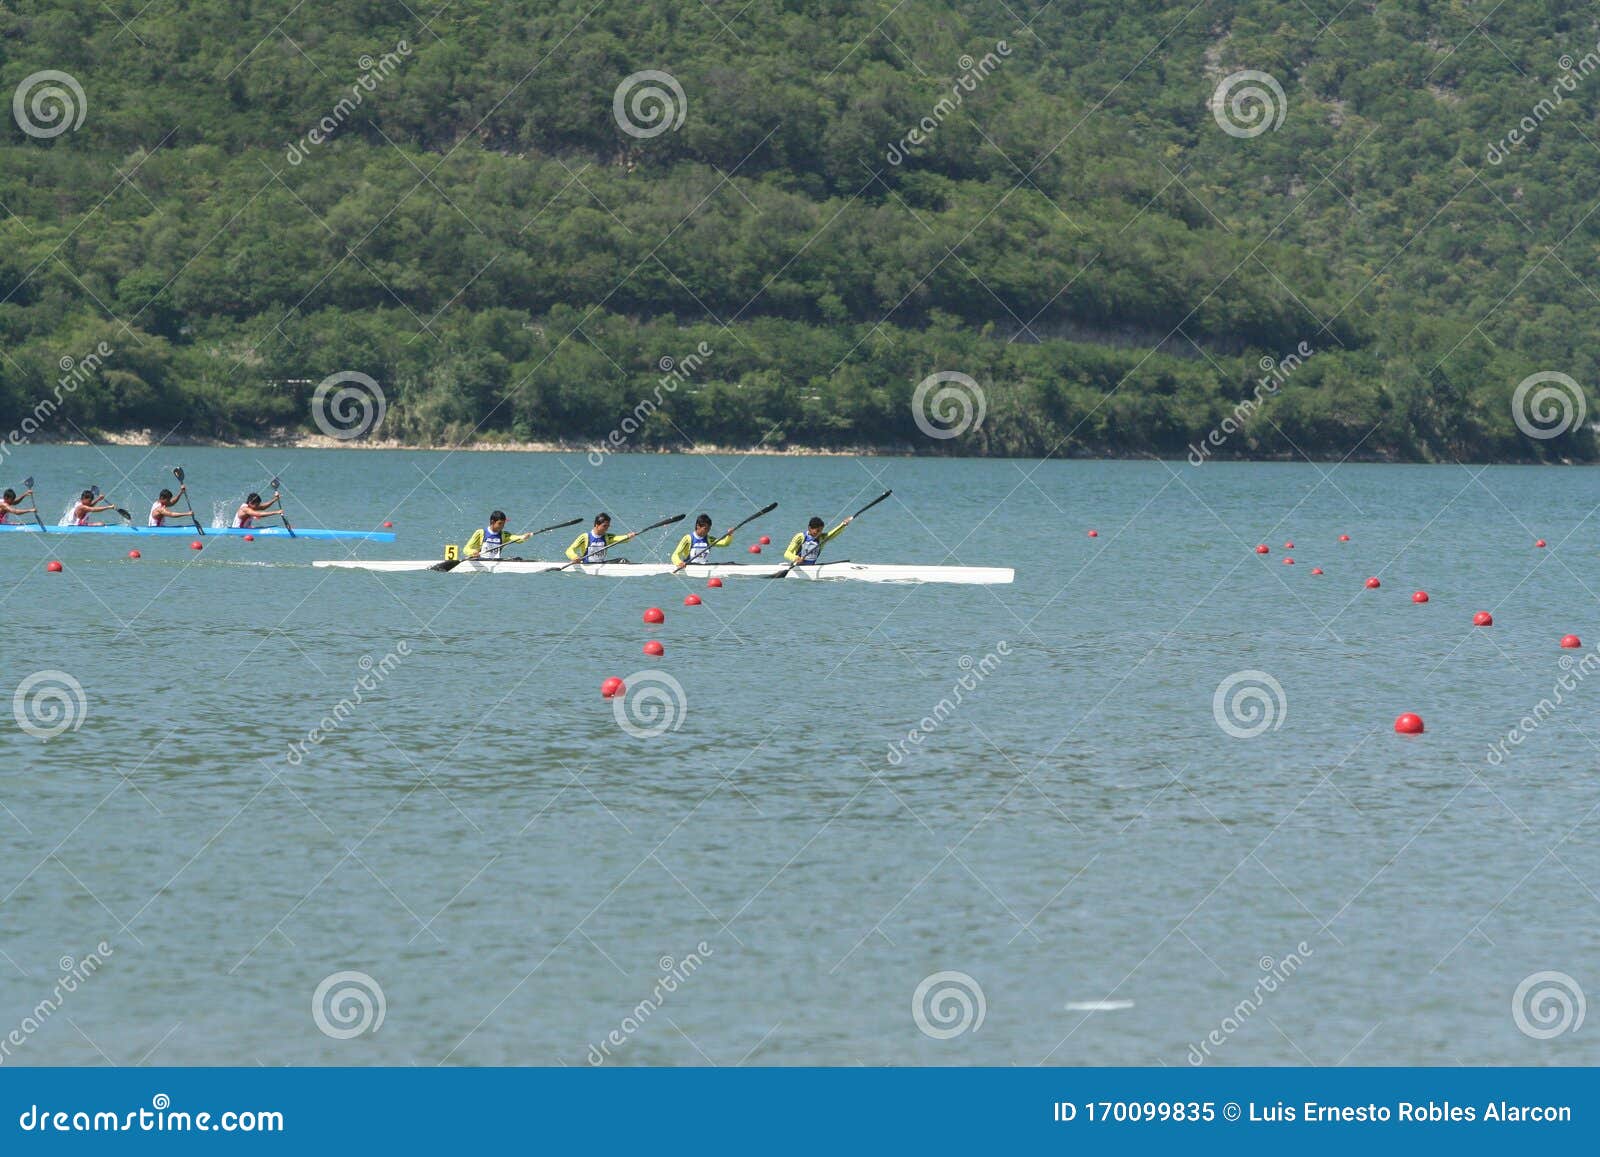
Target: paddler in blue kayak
x=84 y=507
x=254 y=508
x=487 y=541
x=162 y=508
x=9 y=507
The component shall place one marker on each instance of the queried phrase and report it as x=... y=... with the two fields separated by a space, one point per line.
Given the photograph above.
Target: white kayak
x=856 y=571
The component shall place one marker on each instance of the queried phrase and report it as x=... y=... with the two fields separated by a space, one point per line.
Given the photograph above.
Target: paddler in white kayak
x=9 y=507
x=254 y=508
x=161 y=509
x=694 y=548
x=592 y=544
x=487 y=541
x=805 y=547
x=84 y=507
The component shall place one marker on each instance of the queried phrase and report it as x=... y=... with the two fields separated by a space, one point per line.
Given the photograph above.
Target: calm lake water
x=1114 y=876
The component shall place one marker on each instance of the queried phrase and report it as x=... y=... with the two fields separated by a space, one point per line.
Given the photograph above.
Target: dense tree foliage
x=260 y=195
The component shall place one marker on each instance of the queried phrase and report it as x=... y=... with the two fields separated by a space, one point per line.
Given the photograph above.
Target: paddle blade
x=177 y=472
x=449 y=564
x=27 y=483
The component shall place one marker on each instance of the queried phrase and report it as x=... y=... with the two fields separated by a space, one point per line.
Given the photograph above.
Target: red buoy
x=713 y=581
x=1419 y=596
x=1262 y=549
x=612 y=687
x=1094 y=534
x=1373 y=584
x=755 y=548
x=691 y=600
x=655 y=615
x=1483 y=619
x=1344 y=538
x=1287 y=561
x=1409 y=724
x=249 y=538
x=766 y=540
x=388 y=526
x=195 y=545
x=134 y=554
x=53 y=567
x=1571 y=641
x=1288 y=546
x=654 y=648
x=1540 y=544
x=1316 y=570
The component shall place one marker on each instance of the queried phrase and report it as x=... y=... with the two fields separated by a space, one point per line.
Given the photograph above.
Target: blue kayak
x=191 y=532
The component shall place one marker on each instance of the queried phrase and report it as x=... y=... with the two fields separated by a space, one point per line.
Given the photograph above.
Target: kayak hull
x=852 y=571
x=210 y=532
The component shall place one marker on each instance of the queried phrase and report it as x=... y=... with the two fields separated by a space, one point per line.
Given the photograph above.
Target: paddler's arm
x=793 y=553
x=475 y=543
x=834 y=533
x=681 y=554
x=508 y=539
x=725 y=540
x=579 y=547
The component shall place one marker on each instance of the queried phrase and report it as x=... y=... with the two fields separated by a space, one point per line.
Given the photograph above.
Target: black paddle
x=177 y=472
x=27 y=485
x=283 y=518
x=636 y=534
x=121 y=513
x=784 y=573
x=450 y=564
x=767 y=509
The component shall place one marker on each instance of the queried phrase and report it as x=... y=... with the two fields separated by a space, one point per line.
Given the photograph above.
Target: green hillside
x=261 y=195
